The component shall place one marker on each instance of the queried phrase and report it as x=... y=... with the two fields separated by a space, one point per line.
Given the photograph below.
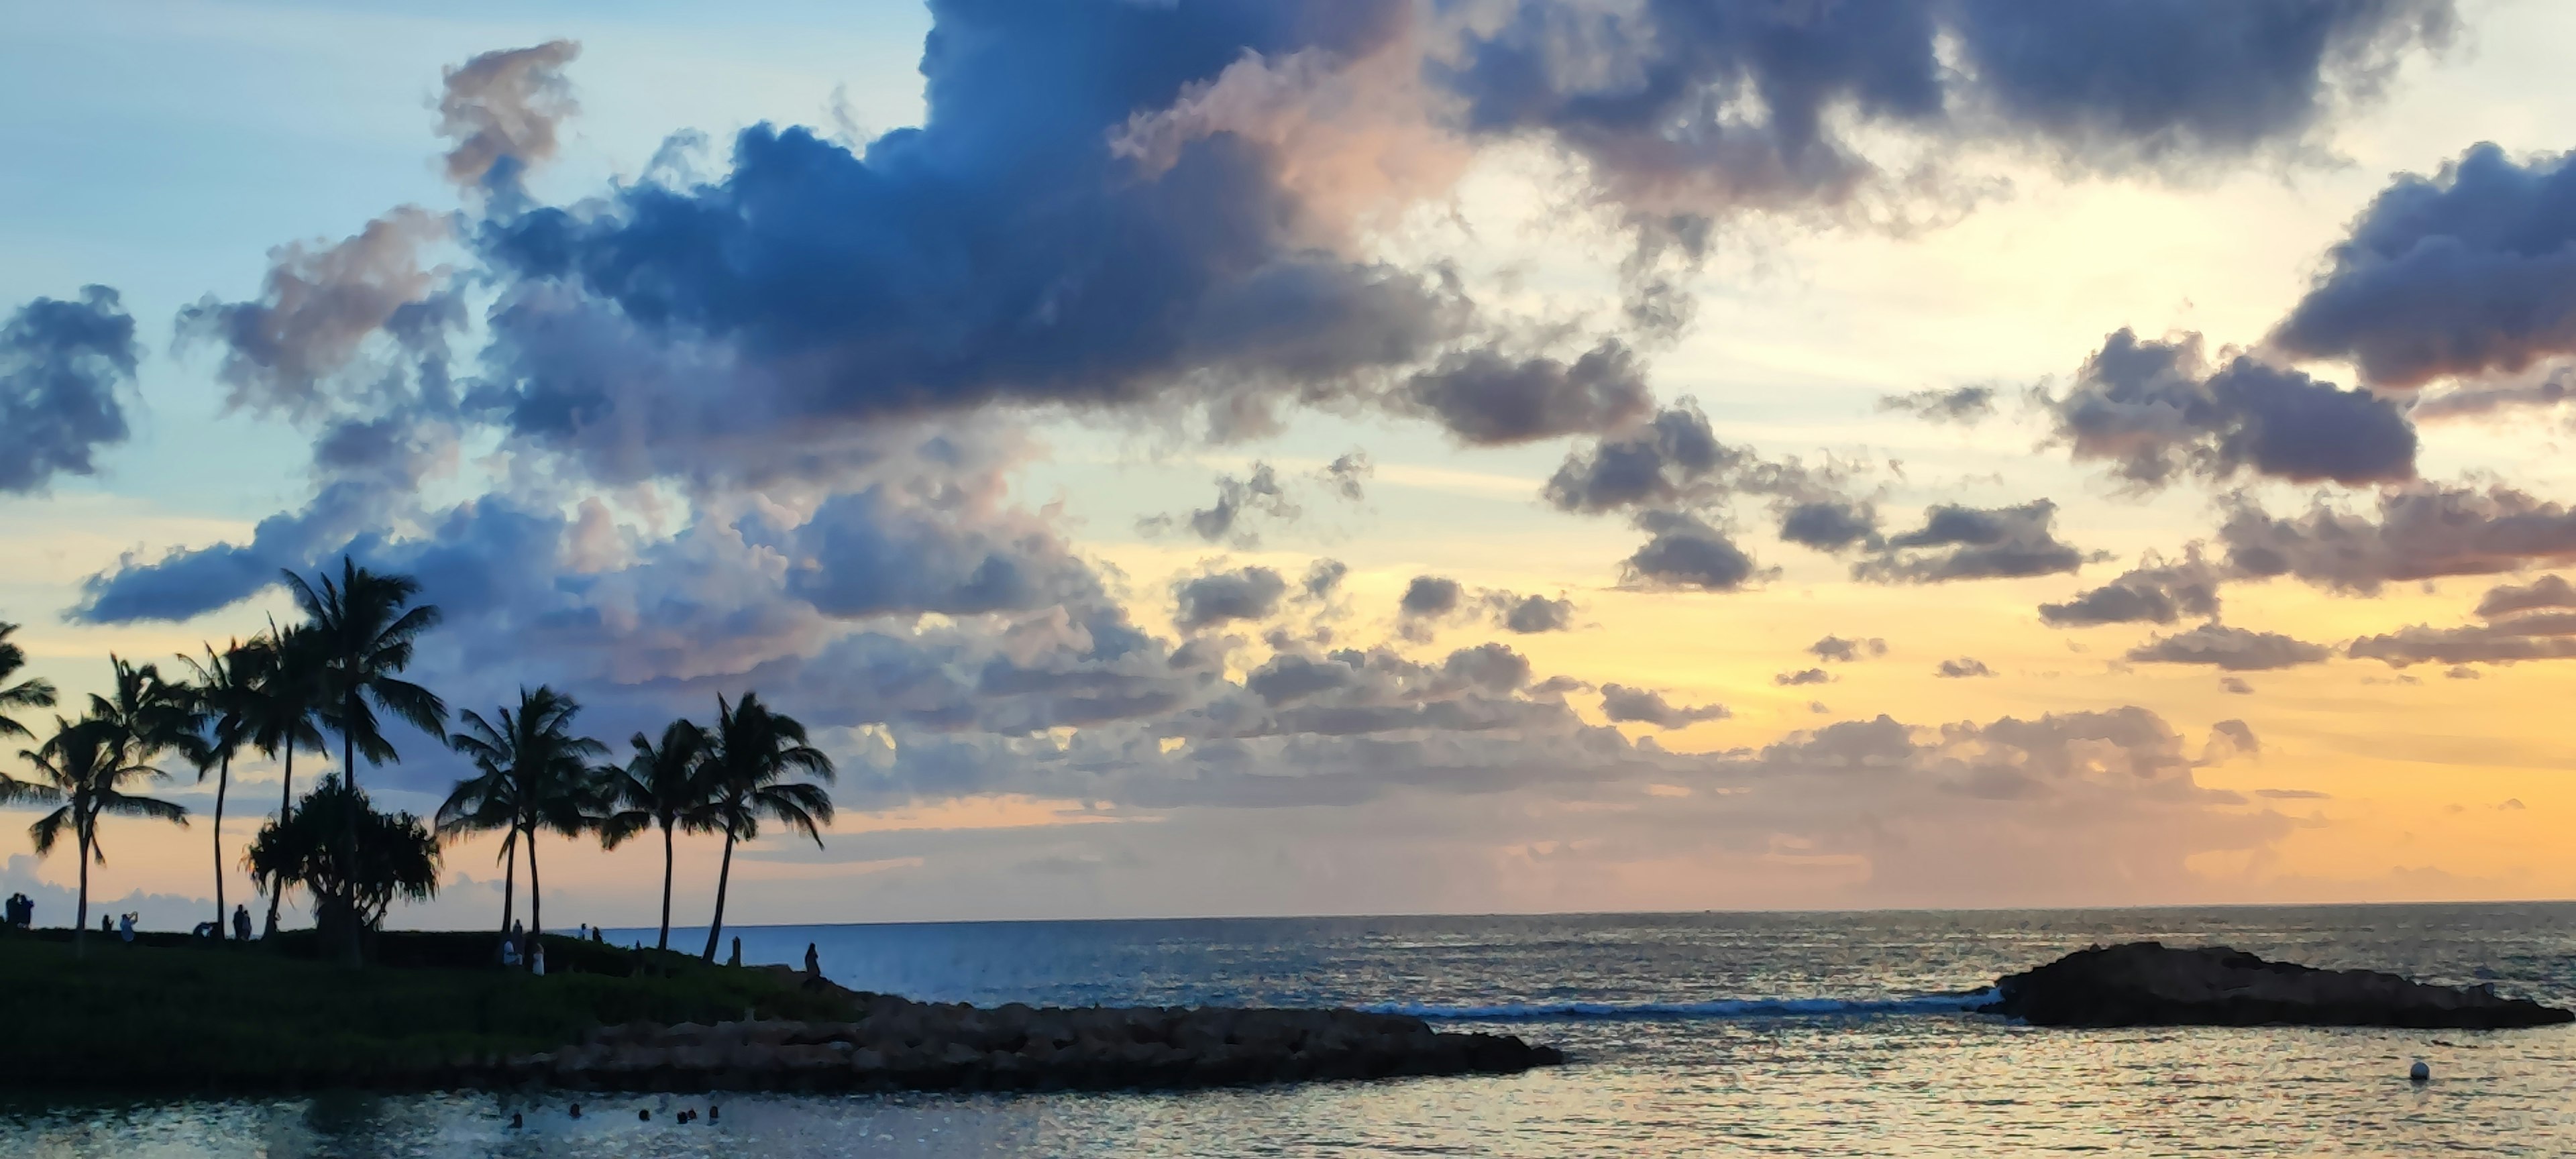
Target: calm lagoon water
x=1723 y=1034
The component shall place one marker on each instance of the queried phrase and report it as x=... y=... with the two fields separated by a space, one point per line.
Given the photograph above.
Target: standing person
x=813 y=962
x=125 y=927
x=241 y=923
x=736 y=960
x=537 y=960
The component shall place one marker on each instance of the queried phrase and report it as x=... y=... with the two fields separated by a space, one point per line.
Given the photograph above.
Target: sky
x=1347 y=456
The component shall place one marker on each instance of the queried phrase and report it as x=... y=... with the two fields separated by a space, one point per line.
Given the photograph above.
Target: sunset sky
x=1349 y=456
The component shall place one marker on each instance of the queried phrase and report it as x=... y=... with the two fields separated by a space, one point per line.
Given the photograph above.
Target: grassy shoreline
x=175 y=1013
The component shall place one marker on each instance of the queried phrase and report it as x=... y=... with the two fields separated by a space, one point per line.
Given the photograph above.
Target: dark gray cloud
x=1685 y=551
x=1250 y=593
x=1260 y=494
x=1715 y=108
x=2235 y=686
x=1348 y=475
x=1965 y=405
x=2548 y=591
x=1624 y=704
x=1966 y=543
x=1830 y=524
x=1835 y=649
x=1962 y=668
x=1663 y=462
x=1803 y=677
x=1323 y=578
x=1431 y=595
x=2154 y=592
x=2232 y=649
x=1489 y=399
x=2157 y=411
x=2426 y=531
x=62 y=366
x=2468 y=272
x=1529 y=615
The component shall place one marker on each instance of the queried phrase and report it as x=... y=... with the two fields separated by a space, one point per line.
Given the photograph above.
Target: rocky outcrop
x=895 y=1044
x=2151 y=984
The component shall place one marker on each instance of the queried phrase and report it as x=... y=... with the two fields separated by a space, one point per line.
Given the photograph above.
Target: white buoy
x=2419 y=1072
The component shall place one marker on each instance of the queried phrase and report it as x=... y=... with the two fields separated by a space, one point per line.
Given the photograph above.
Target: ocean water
x=1687 y=1034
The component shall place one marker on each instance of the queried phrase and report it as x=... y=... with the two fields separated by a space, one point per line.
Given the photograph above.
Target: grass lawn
x=171 y=1012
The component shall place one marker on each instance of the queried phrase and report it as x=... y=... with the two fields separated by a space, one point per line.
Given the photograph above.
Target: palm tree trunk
x=664 y=942
x=724 y=877
x=285 y=813
x=80 y=923
x=536 y=899
x=510 y=882
x=223 y=780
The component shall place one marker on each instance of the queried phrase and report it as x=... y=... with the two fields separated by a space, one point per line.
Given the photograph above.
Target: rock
x=2151 y=984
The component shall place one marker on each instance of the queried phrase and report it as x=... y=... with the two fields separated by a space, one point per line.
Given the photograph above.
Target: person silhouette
x=241 y=923
x=736 y=959
x=813 y=962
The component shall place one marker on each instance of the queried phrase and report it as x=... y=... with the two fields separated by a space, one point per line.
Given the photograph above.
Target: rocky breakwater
x=2151 y=984
x=895 y=1044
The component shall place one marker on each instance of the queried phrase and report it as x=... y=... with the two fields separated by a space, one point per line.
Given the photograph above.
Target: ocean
x=1686 y=1034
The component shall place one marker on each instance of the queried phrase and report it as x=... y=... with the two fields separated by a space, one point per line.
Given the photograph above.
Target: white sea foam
x=1718 y=1008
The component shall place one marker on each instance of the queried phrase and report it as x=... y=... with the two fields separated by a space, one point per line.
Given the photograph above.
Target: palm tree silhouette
x=532 y=774
x=83 y=768
x=663 y=786
x=365 y=626
x=228 y=694
x=25 y=693
x=282 y=717
x=755 y=751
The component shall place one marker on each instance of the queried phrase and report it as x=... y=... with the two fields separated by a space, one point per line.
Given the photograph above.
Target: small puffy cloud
x=2232 y=649
x=1685 y=551
x=1528 y=615
x=1829 y=524
x=2158 y=411
x=1250 y=593
x=2547 y=592
x=1967 y=543
x=1803 y=677
x=62 y=366
x=2154 y=592
x=1431 y=595
x=2235 y=685
x=1623 y=704
x=1962 y=668
x=1965 y=405
x=1837 y=650
x=1237 y=501
x=2425 y=531
x=1658 y=464
x=1488 y=399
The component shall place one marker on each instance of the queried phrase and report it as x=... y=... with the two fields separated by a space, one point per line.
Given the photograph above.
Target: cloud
x=2468 y=272
x=1964 y=543
x=1803 y=677
x=2234 y=685
x=2154 y=592
x=1488 y=399
x=1686 y=552
x=1646 y=706
x=2230 y=740
x=1348 y=474
x=1250 y=593
x=1431 y=595
x=1677 y=107
x=1260 y=494
x=502 y=109
x=2231 y=649
x=1528 y=615
x=1661 y=462
x=62 y=366
x=2547 y=592
x=1835 y=649
x=1962 y=668
x=1965 y=405
x=2158 y=411
x=2424 y=531
x=321 y=308
x=2522 y=622
x=1829 y=525
x=1430 y=600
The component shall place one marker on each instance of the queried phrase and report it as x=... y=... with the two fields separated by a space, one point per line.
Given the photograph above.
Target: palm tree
x=228 y=695
x=664 y=786
x=364 y=627
x=532 y=774
x=305 y=848
x=83 y=768
x=282 y=718
x=754 y=751
x=25 y=693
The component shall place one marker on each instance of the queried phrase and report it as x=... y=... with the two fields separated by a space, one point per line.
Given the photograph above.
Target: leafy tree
x=227 y=690
x=397 y=858
x=531 y=774
x=662 y=786
x=364 y=628
x=25 y=693
x=84 y=770
x=283 y=715
x=754 y=754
